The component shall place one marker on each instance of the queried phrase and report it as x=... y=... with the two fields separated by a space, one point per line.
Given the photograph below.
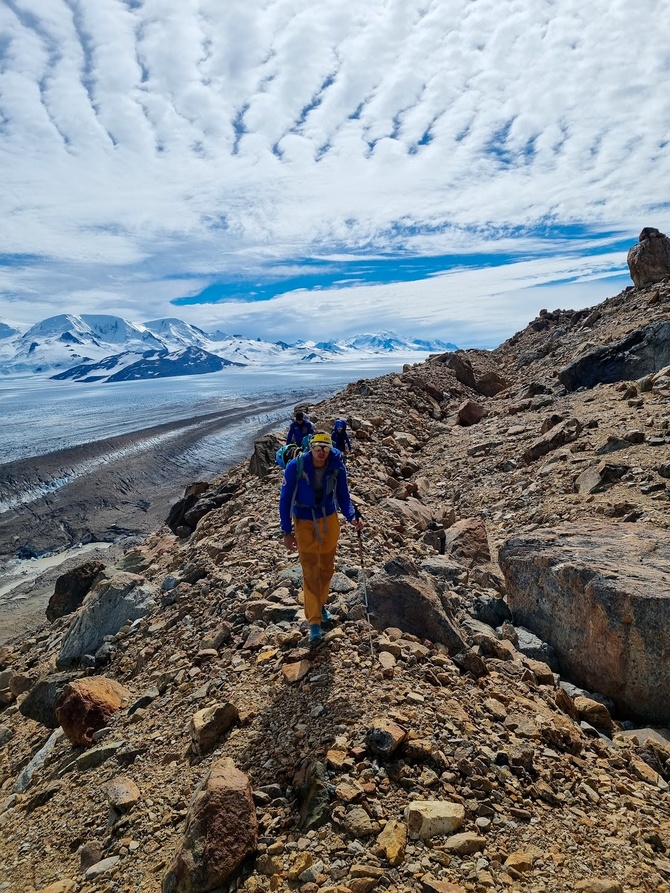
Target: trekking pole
x=366 y=603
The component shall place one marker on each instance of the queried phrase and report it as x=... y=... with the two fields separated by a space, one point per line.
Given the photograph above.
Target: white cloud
x=193 y=138
x=469 y=307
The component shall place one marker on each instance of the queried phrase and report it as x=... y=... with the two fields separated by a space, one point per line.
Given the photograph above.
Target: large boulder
x=109 y=605
x=198 y=501
x=488 y=383
x=649 y=259
x=467 y=542
x=642 y=352
x=192 y=494
x=221 y=831
x=598 y=594
x=87 y=705
x=71 y=589
x=462 y=367
x=410 y=510
x=263 y=458
x=491 y=384
x=210 y=725
x=470 y=413
x=399 y=597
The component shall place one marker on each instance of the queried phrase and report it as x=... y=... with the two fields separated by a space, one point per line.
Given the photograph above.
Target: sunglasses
x=320 y=447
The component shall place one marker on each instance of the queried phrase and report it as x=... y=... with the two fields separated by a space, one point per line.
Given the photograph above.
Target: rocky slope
x=531 y=785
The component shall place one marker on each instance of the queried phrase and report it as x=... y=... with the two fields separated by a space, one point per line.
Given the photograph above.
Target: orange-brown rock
x=86 y=705
x=221 y=831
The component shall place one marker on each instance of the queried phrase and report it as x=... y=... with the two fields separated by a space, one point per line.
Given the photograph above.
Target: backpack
x=300 y=470
x=285 y=453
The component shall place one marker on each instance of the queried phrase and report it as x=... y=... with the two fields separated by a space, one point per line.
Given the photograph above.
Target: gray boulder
x=491 y=609
x=263 y=458
x=445 y=568
x=532 y=646
x=598 y=594
x=110 y=605
x=649 y=259
x=640 y=353
x=311 y=785
x=462 y=367
x=398 y=597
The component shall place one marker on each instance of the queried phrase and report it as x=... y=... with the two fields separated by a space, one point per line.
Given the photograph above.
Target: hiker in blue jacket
x=300 y=428
x=340 y=437
x=308 y=511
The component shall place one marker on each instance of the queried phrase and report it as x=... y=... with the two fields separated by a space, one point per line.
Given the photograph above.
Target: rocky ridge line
x=534 y=786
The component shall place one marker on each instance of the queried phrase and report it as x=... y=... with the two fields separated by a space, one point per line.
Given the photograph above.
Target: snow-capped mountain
x=6 y=331
x=388 y=342
x=151 y=364
x=176 y=333
x=60 y=342
x=98 y=347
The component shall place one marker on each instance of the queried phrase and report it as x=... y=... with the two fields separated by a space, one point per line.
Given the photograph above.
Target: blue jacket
x=335 y=488
x=340 y=438
x=298 y=430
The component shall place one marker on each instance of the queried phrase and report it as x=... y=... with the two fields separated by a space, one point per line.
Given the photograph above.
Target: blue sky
x=285 y=169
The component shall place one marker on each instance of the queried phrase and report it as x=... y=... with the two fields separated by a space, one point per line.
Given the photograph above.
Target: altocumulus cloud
x=205 y=153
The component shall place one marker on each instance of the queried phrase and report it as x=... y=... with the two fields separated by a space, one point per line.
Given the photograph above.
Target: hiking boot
x=315 y=637
x=326 y=616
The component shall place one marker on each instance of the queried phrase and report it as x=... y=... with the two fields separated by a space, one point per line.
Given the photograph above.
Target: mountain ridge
x=80 y=348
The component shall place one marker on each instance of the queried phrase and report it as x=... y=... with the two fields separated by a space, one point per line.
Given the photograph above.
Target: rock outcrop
x=649 y=260
x=112 y=603
x=644 y=351
x=600 y=595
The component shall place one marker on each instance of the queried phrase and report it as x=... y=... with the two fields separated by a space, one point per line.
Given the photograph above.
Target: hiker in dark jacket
x=299 y=429
x=340 y=437
x=308 y=512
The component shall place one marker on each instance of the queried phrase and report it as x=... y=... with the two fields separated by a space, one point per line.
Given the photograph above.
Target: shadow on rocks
x=286 y=754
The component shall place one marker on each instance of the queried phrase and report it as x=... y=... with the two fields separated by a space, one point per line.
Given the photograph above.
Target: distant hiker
x=308 y=512
x=301 y=427
x=340 y=437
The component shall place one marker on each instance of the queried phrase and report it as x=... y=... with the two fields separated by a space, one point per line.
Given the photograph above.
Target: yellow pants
x=317 y=560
